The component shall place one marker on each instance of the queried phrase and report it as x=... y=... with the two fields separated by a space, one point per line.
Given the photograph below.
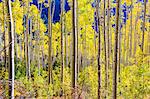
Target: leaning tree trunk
x=11 y=50
x=116 y=53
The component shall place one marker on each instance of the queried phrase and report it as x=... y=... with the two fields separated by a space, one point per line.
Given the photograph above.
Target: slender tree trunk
x=11 y=51
x=143 y=28
x=124 y=45
x=130 y=53
x=95 y=36
x=5 y=50
x=108 y=43
x=74 y=36
x=66 y=48
x=135 y=34
x=106 y=53
x=77 y=45
x=27 y=46
x=99 y=49
x=50 y=44
x=20 y=44
x=31 y=46
x=82 y=53
x=62 y=42
x=38 y=41
x=85 y=48
x=119 y=48
x=24 y=39
x=15 y=40
x=116 y=53
x=126 y=40
x=5 y=53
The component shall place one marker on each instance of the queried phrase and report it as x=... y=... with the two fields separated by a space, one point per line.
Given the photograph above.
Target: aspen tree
x=143 y=28
x=108 y=38
x=11 y=50
x=74 y=36
x=130 y=50
x=4 y=22
x=105 y=51
x=62 y=42
x=116 y=52
x=99 y=49
x=50 y=44
x=26 y=42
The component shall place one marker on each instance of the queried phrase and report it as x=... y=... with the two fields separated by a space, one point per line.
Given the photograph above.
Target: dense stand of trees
x=98 y=49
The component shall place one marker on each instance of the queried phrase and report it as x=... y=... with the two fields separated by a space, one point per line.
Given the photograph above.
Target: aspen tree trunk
x=30 y=48
x=11 y=51
x=52 y=18
x=95 y=32
x=126 y=41
x=82 y=54
x=15 y=40
x=108 y=43
x=66 y=48
x=20 y=44
x=106 y=53
x=33 y=45
x=74 y=36
x=124 y=46
x=66 y=44
x=24 y=39
x=130 y=53
x=85 y=48
x=119 y=56
x=5 y=53
x=42 y=46
x=27 y=46
x=99 y=49
x=143 y=28
x=39 y=46
x=116 y=52
x=77 y=45
x=62 y=42
x=95 y=36
x=50 y=44
x=71 y=42
x=110 y=40
x=43 y=57
x=135 y=33
x=119 y=47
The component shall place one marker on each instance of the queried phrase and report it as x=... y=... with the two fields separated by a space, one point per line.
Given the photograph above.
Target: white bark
x=12 y=49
